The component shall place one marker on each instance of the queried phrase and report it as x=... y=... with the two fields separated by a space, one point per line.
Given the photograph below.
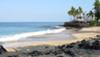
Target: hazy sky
x=39 y=10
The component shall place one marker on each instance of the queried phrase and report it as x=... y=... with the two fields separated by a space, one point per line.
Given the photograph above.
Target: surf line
x=29 y=34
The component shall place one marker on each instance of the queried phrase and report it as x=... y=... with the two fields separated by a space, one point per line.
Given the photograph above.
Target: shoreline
x=78 y=36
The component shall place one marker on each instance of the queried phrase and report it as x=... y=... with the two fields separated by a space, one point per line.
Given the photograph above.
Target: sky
x=40 y=10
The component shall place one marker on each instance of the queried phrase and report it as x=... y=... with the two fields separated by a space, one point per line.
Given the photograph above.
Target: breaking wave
x=29 y=34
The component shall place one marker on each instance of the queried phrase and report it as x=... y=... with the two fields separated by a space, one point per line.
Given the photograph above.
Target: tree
x=75 y=12
x=80 y=10
x=72 y=12
x=91 y=18
x=97 y=10
x=91 y=14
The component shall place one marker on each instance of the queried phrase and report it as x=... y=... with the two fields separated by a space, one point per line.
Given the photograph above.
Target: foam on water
x=29 y=34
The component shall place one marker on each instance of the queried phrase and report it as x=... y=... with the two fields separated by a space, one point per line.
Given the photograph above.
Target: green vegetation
x=97 y=10
x=75 y=12
x=91 y=14
x=93 y=23
x=94 y=15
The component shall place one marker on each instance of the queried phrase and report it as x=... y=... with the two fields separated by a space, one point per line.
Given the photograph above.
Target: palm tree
x=91 y=14
x=72 y=12
x=75 y=12
x=97 y=10
x=79 y=12
x=97 y=3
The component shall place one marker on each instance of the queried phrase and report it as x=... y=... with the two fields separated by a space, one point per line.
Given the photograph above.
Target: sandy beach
x=84 y=33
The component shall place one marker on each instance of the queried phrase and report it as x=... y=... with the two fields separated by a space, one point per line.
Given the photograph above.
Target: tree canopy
x=75 y=12
x=97 y=9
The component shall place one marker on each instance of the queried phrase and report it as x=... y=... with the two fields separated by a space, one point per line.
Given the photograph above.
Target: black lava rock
x=69 y=52
x=2 y=49
x=85 y=44
x=71 y=45
x=76 y=24
x=35 y=53
x=96 y=45
x=60 y=56
x=13 y=56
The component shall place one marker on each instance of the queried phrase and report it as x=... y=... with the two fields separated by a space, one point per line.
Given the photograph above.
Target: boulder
x=96 y=45
x=35 y=53
x=13 y=56
x=2 y=49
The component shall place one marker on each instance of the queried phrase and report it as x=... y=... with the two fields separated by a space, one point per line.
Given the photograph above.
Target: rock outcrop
x=76 y=24
x=2 y=49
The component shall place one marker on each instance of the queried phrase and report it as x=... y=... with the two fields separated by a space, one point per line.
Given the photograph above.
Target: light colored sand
x=78 y=37
x=84 y=35
x=95 y=29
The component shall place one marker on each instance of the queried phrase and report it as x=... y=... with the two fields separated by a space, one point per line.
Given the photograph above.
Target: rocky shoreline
x=84 y=48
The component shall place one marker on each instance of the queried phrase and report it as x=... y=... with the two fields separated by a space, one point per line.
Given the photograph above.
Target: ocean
x=12 y=31
x=11 y=28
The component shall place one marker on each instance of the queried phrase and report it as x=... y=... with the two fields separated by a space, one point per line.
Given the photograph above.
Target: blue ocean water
x=32 y=31
x=11 y=28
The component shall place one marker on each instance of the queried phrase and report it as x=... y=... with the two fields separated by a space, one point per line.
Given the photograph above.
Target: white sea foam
x=29 y=34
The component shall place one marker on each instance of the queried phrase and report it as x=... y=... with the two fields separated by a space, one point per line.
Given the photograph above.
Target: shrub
x=98 y=24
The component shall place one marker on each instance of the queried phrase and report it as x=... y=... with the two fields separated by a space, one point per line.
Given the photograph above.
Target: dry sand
x=84 y=33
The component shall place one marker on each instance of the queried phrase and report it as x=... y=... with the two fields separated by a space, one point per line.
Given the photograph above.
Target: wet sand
x=60 y=39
